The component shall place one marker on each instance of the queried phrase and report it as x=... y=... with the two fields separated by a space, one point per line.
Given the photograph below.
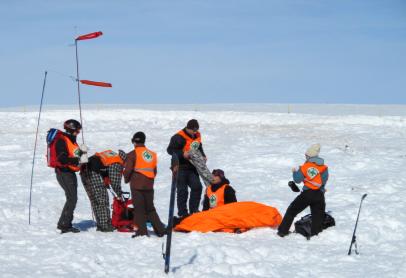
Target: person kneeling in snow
x=314 y=175
x=103 y=169
x=219 y=192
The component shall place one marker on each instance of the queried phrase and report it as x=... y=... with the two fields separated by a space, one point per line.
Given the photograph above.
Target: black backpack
x=303 y=226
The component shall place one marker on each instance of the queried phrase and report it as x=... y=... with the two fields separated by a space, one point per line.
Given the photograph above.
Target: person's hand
x=175 y=168
x=83 y=158
x=186 y=155
x=83 y=148
x=294 y=169
x=106 y=181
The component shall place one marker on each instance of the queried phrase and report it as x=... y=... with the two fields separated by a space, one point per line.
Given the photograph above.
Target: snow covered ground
x=257 y=147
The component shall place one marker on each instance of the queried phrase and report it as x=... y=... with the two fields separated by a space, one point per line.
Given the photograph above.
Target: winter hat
x=219 y=173
x=122 y=155
x=193 y=124
x=313 y=150
x=139 y=138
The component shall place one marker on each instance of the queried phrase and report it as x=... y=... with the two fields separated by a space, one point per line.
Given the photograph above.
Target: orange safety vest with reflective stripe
x=312 y=174
x=145 y=162
x=190 y=143
x=216 y=199
x=73 y=152
x=109 y=157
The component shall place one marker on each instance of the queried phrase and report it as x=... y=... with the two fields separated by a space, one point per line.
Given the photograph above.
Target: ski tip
x=363 y=196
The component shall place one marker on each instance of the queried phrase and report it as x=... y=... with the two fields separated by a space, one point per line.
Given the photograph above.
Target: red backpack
x=122 y=216
x=52 y=137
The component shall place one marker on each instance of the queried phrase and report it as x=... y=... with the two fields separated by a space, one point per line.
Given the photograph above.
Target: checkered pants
x=98 y=195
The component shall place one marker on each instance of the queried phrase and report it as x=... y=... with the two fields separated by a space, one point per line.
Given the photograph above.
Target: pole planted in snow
x=35 y=146
x=78 y=86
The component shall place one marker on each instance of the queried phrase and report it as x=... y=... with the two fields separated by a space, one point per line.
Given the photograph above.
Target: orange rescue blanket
x=238 y=216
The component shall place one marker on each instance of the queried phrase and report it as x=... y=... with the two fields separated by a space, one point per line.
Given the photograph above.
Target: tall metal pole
x=78 y=82
x=35 y=147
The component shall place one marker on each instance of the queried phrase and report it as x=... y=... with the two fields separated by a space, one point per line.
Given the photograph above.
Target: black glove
x=293 y=186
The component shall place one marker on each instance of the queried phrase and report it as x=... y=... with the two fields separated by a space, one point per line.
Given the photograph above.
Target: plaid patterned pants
x=98 y=195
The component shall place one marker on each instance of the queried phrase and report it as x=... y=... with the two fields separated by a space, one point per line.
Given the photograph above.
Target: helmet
x=72 y=125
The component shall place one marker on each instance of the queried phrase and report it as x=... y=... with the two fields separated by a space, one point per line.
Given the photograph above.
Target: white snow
x=256 y=145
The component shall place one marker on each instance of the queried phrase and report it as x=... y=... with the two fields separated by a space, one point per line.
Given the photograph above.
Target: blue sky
x=205 y=51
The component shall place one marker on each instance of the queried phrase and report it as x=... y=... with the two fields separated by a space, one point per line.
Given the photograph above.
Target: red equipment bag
x=122 y=218
x=52 y=136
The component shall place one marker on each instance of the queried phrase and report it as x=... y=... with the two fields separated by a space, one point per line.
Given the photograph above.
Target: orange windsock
x=89 y=36
x=96 y=83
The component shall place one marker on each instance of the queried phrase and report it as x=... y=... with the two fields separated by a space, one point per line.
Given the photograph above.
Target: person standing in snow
x=219 y=192
x=314 y=175
x=181 y=144
x=104 y=169
x=140 y=169
x=69 y=157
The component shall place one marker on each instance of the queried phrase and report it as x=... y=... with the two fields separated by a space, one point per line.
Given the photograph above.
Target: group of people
x=103 y=171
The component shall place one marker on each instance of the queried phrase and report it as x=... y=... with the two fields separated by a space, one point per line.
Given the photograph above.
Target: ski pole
x=175 y=172
x=35 y=146
x=353 y=239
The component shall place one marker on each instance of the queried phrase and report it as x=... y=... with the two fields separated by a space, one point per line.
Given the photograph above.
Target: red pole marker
x=96 y=83
x=89 y=36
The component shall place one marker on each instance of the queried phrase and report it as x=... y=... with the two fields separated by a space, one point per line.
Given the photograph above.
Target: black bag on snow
x=303 y=226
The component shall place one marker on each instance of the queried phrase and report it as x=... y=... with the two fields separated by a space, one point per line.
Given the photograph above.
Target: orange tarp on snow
x=238 y=215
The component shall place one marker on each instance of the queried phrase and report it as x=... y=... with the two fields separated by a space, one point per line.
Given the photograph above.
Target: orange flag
x=95 y=83
x=89 y=36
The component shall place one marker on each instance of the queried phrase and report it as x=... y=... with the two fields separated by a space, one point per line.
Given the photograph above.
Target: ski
x=353 y=240
x=175 y=171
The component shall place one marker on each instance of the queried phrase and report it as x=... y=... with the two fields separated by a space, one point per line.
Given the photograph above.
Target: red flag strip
x=95 y=83
x=89 y=36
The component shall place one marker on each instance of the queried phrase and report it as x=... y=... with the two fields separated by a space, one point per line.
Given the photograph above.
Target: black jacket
x=63 y=155
x=229 y=194
x=176 y=146
x=94 y=164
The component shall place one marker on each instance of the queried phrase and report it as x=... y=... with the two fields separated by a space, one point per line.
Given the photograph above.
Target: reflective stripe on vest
x=312 y=174
x=190 y=142
x=145 y=162
x=109 y=157
x=216 y=199
x=73 y=152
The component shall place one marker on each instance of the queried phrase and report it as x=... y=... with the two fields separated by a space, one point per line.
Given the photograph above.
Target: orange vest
x=190 y=143
x=73 y=151
x=146 y=162
x=216 y=199
x=109 y=157
x=312 y=174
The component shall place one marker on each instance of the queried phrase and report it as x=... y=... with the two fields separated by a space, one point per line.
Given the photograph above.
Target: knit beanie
x=192 y=124
x=138 y=138
x=313 y=150
x=219 y=173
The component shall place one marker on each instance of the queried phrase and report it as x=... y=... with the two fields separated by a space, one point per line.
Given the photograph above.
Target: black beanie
x=192 y=124
x=219 y=173
x=139 y=138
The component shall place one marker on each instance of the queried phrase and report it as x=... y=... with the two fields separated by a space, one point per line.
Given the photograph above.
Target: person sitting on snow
x=314 y=175
x=219 y=192
x=103 y=169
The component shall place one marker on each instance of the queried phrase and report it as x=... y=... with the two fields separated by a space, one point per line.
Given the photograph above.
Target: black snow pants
x=69 y=183
x=188 y=178
x=144 y=210
x=312 y=198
